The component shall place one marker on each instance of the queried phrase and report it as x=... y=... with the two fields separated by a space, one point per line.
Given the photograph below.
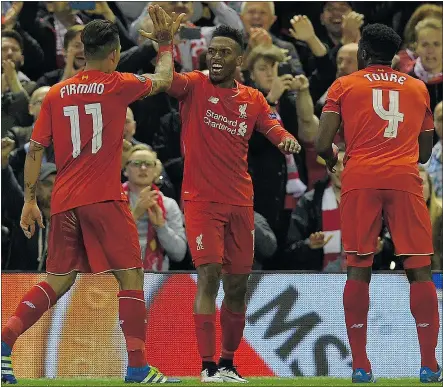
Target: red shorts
x=95 y=238
x=220 y=233
x=405 y=215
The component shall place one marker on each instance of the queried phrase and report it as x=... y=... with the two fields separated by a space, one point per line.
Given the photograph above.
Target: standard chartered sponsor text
x=221 y=122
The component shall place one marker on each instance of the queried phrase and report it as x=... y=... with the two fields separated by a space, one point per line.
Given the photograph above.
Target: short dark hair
x=100 y=38
x=71 y=33
x=380 y=42
x=231 y=33
x=13 y=35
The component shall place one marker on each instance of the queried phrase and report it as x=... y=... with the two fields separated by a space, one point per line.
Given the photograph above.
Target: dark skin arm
x=425 y=142
x=329 y=125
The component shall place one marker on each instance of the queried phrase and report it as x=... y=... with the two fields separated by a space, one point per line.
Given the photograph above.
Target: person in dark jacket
x=314 y=237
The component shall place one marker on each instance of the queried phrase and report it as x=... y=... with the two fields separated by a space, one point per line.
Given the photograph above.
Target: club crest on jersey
x=242 y=109
x=141 y=78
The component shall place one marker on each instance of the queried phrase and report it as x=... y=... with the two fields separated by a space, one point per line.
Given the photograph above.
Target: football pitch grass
x=299 y=381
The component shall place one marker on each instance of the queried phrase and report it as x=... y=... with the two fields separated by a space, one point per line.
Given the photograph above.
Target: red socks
x=356 y=306
x=424 y=308
x=34 y=304
x=132 y=316
x=205 y=333
x=232 y=325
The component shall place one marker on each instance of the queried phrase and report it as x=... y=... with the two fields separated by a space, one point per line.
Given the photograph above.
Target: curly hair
x=380 y=42
x=231 y=33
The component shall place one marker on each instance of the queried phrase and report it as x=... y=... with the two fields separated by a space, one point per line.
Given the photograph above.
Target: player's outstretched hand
x=164 y=26
x=317 y=240
x=30 y=214
x=289 y=145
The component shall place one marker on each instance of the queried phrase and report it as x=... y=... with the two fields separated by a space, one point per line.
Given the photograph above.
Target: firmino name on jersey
x=82 y=88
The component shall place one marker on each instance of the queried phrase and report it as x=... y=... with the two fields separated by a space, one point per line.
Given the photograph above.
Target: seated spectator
x=258 y=17
x=428 y=66
x=159 y=219
x=314 y=238
x=265 y=242
x=23 y=134
x=27 y=254
x=407 y=56
x=16 y=86
x=434 y=166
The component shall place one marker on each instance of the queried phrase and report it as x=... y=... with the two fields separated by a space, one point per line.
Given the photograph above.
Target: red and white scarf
x=331 y=226
x=294 y=186
x=154 y=252
x=426 y=76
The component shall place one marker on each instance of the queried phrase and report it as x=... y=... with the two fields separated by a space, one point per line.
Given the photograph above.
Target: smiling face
x=141 y=168
x=258 y=14
x=332 y=16
x=79 y=53
x=429 y=49
x=222 y=58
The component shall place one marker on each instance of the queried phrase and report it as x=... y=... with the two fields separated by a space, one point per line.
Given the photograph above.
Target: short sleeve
x=134 y=87
x=183 y=83
x=267 y=122
x=333 y=98
x=428 y=121
x=42 y=132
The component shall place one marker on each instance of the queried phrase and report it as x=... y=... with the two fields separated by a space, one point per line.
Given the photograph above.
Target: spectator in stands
x=435 y=165
x=276 y=177
x=27 y=254
x=428 y=66
x=23 y=134
x=437 y=259
x=314 y=238
x=31 y=48
x=130 y=127
x=258 y=17
x=16 y=86
x=159 y=219
x=265 y=242
x=188 y=48
x=74 y=58
x=321 y=80
x=407 y=56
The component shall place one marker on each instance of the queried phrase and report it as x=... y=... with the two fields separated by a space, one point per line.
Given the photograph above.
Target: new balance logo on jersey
x=358 y=326
x=213 y=100
x=242 y=109
x=199 y=241
x=29 y=303
x=422 y=325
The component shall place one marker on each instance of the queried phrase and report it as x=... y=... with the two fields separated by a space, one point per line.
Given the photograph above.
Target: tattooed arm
x=32 y=170
x=162 y=78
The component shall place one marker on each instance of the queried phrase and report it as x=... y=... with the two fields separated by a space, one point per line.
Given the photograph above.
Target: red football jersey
x=217 y=124
x=383 y=112
x=84 y=117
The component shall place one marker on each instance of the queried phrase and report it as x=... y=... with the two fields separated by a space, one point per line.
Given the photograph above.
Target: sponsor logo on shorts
x=422 y=325
x=29 y=303
x=199 y=241
x=358 y=326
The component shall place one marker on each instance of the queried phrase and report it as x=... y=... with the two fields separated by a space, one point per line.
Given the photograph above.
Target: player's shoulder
x=197 y=76
x=249 y=91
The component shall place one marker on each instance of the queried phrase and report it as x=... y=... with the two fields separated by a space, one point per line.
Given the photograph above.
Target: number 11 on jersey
x=95 y=110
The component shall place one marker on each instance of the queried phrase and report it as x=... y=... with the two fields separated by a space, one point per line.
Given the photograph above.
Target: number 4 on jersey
x=393 y=116
x=93 y=109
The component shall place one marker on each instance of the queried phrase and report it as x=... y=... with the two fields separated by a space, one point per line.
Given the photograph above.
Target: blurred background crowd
x=294 y=51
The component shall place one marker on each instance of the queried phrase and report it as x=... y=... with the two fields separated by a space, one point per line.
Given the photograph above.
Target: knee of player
x=209 y=279
x=236 y=290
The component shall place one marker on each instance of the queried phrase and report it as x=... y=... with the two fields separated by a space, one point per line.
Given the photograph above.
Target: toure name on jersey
x=82 y=88
x=221 y=122
x=385 y=77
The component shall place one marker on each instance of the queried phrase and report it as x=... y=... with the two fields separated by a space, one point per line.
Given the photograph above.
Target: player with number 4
x=92 y=229
x=388 y=129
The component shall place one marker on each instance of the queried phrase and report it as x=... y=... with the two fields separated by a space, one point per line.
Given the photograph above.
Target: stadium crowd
x=295 y=50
